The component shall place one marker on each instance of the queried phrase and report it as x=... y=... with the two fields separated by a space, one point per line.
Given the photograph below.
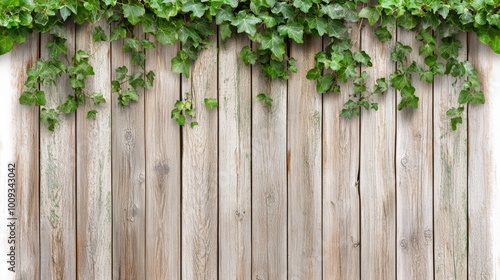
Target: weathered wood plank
x=304 y=161
x=341 y=209
x=57 y=181
x=93 y=161
x=484 y=168
x=199 y=172
x=163 y=157
x=414 y=177
x=128 y=178
x=377 y=174
x=269 y=179
x=450 y=181
x=26 y=133
x=19 y=238
x=235 y=128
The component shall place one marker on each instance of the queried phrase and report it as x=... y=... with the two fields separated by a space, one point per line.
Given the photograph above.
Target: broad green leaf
x=97 y=98
x=382 y=33
x=246 y=23
x=363 y=57
x=248 y=56
x=275 y=43
x=293 y=30
x=370 y=13
x=181 y=63
x=211 y=103
x=99 y=34
x=133 y=12
x=27 y=98
x=198 y=9
x=333 y=10
x=303 y=5
x=91 y=114
x=324 y=83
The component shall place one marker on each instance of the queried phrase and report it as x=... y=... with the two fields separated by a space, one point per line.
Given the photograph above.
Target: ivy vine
x=271 y=25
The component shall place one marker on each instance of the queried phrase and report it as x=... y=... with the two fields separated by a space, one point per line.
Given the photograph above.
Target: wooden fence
x=290 y=191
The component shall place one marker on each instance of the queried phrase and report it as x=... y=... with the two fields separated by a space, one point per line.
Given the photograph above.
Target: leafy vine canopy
x=271 y=25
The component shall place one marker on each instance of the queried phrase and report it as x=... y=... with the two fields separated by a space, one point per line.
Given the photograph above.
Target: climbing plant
x=271 y=25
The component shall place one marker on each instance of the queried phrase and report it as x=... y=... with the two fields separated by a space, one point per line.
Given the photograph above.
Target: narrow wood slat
x=93 y=161
x=450 y=181
x=484 y=168
x=304 y=161
x=269 y=179
x=235 y=127
x=128 y=178
x=163 y=158
x=57 y=181
x=414 y=171
x=19 y=171
x=377 y=174
x=199 y=172
x=341 y=209
x=26 y=136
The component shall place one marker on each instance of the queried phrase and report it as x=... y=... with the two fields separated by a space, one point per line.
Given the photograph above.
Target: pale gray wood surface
x=128 y=177
x=484 y=169
x=26 y=137
x=304 y=166
x=414 y=175
x=269 y=178
x=200 y=172
x=377 y=174
x=235 y=126
x=57 y=181
x=163 y=180
x=93 y=162
x=450 y=181
x=341 y=209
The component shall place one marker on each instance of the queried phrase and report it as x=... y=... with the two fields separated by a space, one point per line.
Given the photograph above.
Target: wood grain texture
x=163 y=157
x=414 y=177
x=93 y=161
x=377 y=174
x=57 y=181
x=199 y=172
x=450 y=181
x=304 y=173
x=341 y=209
x=235 y=128
x=26 y=136
x=269 y=178
x=128 y=178
x=484 y=168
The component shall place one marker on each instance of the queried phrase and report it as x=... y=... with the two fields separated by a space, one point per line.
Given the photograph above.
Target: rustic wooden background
x=284 y=192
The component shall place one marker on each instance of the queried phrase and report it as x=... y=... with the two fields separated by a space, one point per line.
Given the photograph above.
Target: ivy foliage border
x=271 y=25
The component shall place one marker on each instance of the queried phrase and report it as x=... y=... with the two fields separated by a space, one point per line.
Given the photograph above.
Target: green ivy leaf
x=303 y=5
x=181 y=63
x=246 y=23
x=324 y=83
x=363 y=58
x=133 y=12
x=383 y=33
x=293 y=30
x=370 y=13
x=91 y=114
x=26 y=98
x=50 y=117
x=99 y=35
x=97 y=98
x=248 y=56
x=449 y=48
x=266 y=99
x=121 y=73
x=275 y=43
x=197 y=9
x=211 y=103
